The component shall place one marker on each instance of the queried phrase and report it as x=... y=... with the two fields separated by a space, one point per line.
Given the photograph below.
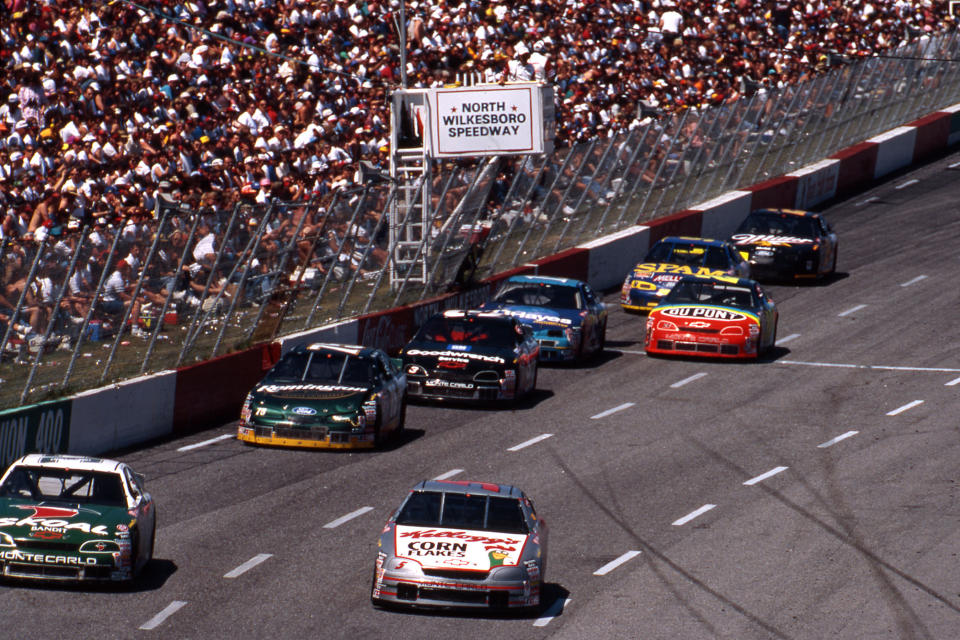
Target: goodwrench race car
x=461 y=544
x=787 y=244
x=74 y=518
x=670 y=259
x=719 y=317
x=567 y=317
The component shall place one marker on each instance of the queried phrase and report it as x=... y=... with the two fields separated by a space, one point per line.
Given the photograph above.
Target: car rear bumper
x=432 y=593
x=59 y=572
x=332 y=440
x=477 y=393
x=693 y=345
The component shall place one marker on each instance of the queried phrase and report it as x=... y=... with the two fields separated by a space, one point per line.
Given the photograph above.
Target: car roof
x=352 y=349
x=792 y=212
x=63 y=461
x=706 y=242
x=568 y=282
x=469 y=487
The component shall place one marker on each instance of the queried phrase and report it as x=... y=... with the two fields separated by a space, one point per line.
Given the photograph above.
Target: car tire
x=533 y=384
x=377 y=435
x=773 y=340
x=402 y=423
x=602 y=341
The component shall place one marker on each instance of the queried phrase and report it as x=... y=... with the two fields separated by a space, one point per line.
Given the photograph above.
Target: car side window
x=132 y=485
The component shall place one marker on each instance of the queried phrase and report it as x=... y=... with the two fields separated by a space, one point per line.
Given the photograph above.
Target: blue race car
x=566 y=315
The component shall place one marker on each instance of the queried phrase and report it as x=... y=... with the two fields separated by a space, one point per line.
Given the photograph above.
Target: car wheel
x=833 y=267
x=402 y=423
x=533 y=383
x=377 y=436
x=602 y=341
x=773 y=339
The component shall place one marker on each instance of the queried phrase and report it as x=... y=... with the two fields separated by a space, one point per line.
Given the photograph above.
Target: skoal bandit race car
x=670 y=259
x=461 y=544
x=471 y=355
x=721 y=317
x=567 y=317
x=326 y=396
x=74 y=518
x=786 y=244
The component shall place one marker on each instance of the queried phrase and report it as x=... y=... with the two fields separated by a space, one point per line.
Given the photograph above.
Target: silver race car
x=462 y=544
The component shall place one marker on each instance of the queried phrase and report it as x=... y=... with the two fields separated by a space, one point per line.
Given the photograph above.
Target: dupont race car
x=720 y=317
x=329 y=396
x=672 y=258
x=784 y=244
x=74 y=518
x=567 y=317
x=461 y=544
x=471 y=355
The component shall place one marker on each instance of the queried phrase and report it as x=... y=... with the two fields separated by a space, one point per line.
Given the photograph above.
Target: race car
x=719 y=317
x=672 y=258
x=567 y=317
x=73 y=518
x=786 y=244
x=471 y=355
x=326 y=396
x=462 y=544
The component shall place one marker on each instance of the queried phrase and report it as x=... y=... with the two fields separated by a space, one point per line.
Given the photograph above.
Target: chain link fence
x=109 y=301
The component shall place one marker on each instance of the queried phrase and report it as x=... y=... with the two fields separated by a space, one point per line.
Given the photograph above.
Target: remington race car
x=461 y=544
x=74 y=518
x=329 y=396
x=567 y=317
x=672 y=258
x=471 y=355
x=720 y=317
x=787 y=244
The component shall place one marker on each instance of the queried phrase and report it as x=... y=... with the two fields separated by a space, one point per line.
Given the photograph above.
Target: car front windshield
x=778 y=224
x=463 y=511
x=539 y=295
x=64 y=485
x=323 y=367
x=709 y=292
x=490 y=331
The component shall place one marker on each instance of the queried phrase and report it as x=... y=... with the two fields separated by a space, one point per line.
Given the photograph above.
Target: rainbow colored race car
x=719 y=317
x=670 y=259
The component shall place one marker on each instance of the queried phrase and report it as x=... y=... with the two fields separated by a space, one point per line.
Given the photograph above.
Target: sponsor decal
x=430 y=548
x=454 y=547
x=712 y=313
x=52 y=520
x=540 y=318
x=446 y=354
x=353 y=351
x=459 y=347
x=448 y=384
x=275 y=388
x=304 y=411
x=648 y=268
x=756 y=238
x=25 y=556
x=46 y=534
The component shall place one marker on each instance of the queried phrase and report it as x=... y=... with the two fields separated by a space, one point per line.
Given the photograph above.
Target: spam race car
x=461 y=544
x=330 y=396
x=567 y=317
x=74 y=518
x=720 y=317
x=670 y=259
x=471 y=355
x=784 y=244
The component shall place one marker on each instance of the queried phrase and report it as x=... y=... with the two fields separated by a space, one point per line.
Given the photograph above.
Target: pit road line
x=249 y=564
x=529 y=442
x=448 y=474
x=613 y=564
x=764 y=476
x=906 y=407
x=843 y=436
x=206 y=442
x=693 y=514
x=350 y=516
x=680 y=383
x=555 y=610
x=620 y=407
x=158 y=619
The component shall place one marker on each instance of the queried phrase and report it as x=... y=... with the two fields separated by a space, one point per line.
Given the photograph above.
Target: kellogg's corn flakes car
x=74 y=518
x=461 y=544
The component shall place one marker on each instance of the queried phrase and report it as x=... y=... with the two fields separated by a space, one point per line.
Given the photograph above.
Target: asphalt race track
x=812 y=495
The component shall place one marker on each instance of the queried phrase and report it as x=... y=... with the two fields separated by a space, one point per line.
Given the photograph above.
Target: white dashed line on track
x=904 y=185
x=851 y=310
x=786 y=339
x=764 y=476
x=619 y=407
x=843 y=436
x=693 y=514
x=953 y=383
x=867 y=201
x=613 y=564
x=529 y=442
x=249 y=564
x=953 y=166
x=350 y=516
x=913 y=281
x=555 y=609
x=158 y=619
x=449 y=474
x=906 y=407
x=882 y=367
x=680 y=383
x=225 y=436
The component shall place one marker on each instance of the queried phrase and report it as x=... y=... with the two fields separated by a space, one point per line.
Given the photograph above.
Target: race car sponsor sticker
x=711 y=313
x=276 y=388
x=540 y=318
x=447 y=384
x=441 y=354
x=480 y=550
x=757 y=238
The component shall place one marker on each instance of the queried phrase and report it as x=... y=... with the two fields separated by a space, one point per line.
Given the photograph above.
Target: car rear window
x=494 y=332
x=463 y=511
x=539 y=295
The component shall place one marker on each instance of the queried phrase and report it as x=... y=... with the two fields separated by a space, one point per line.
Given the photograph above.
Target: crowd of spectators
x=107 y=106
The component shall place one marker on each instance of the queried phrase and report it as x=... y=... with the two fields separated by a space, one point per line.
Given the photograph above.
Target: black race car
x=787 y=244
x=471 y=355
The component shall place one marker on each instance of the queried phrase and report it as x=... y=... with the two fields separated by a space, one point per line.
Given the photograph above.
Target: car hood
x=711 y=314
x=61 y=522
x=539 y=317
x=311 y=399
x=442 y=548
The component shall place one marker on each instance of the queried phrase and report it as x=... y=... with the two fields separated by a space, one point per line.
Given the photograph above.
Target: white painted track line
x=906 y=407
x=913 y=281
x=786 y=339
x=619 y=407
x=867 y=201
x=953 y=166
x=953 y=383
x=764 y=476
x=551 y=613
x=529 y=442
x=449 y=474
x=693 y=514
x=613 y=564
x=904 y=185
x=249 y=564
x=851 y=310
x=843 y=436
x=680 y=383
x=197 y=445
x=158 y=619
x=350 y=516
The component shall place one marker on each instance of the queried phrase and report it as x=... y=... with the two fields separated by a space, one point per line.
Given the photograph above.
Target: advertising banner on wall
x=43 y=428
